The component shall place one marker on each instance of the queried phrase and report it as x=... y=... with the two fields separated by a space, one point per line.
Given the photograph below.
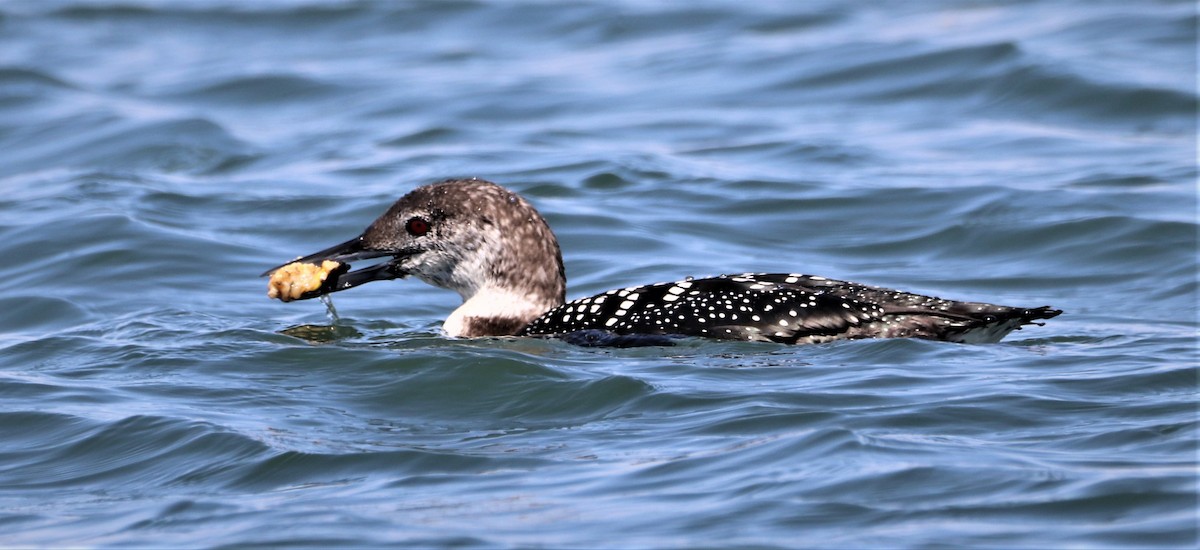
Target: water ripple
x=157 y=156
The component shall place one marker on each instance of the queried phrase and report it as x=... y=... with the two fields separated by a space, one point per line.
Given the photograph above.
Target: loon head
x=470 y=236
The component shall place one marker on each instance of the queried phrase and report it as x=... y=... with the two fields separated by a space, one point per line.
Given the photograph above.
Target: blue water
x=156 y=156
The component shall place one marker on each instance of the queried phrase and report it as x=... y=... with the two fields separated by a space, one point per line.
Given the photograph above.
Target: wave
x=269 y=89
x=67 y=451
x=196 y=145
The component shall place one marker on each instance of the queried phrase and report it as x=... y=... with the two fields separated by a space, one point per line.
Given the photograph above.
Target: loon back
x=785 y=308
x=493 y=248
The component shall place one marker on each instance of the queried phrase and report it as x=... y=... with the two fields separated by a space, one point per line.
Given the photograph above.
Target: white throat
x=491 y=303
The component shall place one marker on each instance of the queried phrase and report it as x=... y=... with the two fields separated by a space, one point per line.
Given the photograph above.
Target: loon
x=493 y=247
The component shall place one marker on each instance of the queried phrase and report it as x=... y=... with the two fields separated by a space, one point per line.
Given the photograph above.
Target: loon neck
x=496 y=311
x=508 y=268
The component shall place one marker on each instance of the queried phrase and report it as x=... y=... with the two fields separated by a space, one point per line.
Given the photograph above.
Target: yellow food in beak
x=293 y=280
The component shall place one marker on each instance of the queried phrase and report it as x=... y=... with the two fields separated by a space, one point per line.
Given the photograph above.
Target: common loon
x=492 y=247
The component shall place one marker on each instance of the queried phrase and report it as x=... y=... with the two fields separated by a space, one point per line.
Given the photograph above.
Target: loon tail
x=990 y=327
x=1032 y=315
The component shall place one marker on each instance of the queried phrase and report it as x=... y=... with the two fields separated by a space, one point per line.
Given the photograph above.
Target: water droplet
x=329 y=309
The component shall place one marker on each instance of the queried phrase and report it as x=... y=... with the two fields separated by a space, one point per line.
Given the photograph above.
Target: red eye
x=417 y=226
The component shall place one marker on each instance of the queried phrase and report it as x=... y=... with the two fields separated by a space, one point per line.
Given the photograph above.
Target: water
x=156 y=156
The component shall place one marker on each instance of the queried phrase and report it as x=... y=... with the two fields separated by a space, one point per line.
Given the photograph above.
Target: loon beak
x=342 y=278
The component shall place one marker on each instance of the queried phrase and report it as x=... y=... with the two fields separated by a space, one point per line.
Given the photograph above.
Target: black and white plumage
x=787 y=308
x=493 y=248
